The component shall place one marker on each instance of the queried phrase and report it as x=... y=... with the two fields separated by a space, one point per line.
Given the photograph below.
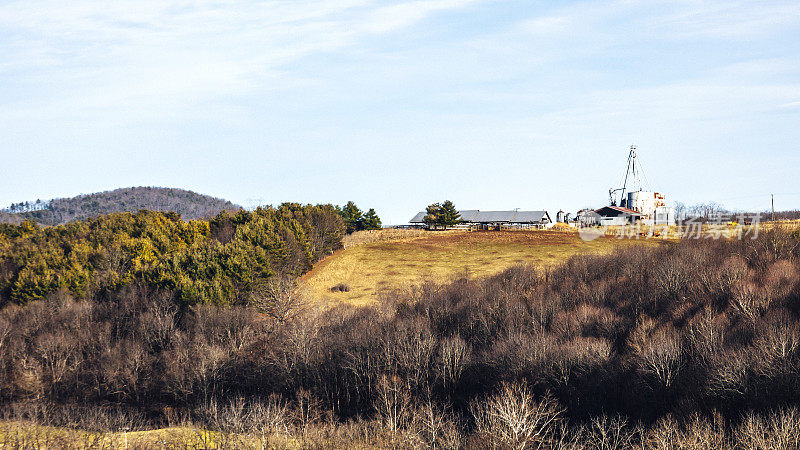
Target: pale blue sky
x=492 y=104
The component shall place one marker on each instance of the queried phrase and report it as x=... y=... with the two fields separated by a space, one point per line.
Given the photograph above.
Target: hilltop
x=190 y=205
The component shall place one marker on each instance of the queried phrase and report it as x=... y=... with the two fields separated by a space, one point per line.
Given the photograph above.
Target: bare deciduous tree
x=280 y=298
x=436 y=425
x=660 y=355
x=452 y=359
x=611 y=433
x=512 y=419
x=728 y=375
x=56 y=353
x=393 y=403
x=751 y=301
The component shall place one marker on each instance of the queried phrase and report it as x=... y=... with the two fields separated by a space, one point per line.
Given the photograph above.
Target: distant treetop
x=356 y=220
x=442 y=214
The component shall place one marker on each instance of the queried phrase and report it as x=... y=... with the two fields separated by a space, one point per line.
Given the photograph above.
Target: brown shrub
x=640 y=333
x=452 y=359
x=693 y=433
x=658 y=353
x=776 y=347
x=596 y=321
x=717 y=283
x=672 y=279
x=728 y=375
x=706 y=332
x=778 y=430
x=610 y=433
x=751 y=301
x=341 y=287
x=437 y=426
x=781 y=278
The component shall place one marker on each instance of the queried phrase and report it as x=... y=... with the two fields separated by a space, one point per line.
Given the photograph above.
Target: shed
x=616 y=215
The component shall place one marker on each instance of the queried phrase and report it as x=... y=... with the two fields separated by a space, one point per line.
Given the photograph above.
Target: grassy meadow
x=377 y=262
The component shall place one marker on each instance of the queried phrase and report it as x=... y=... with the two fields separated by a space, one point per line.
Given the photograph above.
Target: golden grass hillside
x=396 y=259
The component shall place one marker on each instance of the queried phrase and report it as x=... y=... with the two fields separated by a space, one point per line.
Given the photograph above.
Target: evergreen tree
x=432 y=215
x=449 y=215
x=352 y=216
x=371 y=220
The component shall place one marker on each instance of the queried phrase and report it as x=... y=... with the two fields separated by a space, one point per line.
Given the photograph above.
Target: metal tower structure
x=632 y=175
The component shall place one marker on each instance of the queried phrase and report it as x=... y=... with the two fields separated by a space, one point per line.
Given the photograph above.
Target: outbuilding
x=616 y=215
x=473 y=218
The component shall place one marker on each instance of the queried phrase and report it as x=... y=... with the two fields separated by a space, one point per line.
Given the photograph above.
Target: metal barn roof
x=530 y=216
x=476 y=216
x=495 y=216
x=418 y=218
x=619 y=209
x=469 y=215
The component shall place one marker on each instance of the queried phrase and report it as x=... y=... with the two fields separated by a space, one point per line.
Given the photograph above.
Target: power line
x=762 y=195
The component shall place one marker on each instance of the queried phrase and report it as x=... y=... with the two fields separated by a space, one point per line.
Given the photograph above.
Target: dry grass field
x=399 y=260
x=26 y=434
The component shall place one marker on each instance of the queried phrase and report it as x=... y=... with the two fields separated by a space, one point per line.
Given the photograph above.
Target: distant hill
x=190 y=205
x=6 y=217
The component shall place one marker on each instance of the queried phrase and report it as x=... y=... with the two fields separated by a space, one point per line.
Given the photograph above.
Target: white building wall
x=610 y=221
x=653 y=206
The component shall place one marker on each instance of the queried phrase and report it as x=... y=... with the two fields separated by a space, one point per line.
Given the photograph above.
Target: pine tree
x=353 y=219
x=449 y=215
x=371 y=220
x=432 y=213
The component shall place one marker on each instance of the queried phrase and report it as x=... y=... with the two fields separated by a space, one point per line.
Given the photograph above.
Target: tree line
x=225 y=260
x=709 y=211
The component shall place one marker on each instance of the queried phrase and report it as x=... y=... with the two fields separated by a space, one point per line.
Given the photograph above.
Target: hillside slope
x=190 y=205
x=380 y=266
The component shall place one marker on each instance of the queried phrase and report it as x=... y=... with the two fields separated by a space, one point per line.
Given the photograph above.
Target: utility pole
x=773 y=207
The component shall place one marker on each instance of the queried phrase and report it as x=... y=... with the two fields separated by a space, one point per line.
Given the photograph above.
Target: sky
x=395 y=105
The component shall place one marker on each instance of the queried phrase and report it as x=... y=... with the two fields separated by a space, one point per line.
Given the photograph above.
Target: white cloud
x=393 y=17
x=725 y=19
x=548 y=25
x=168 y=54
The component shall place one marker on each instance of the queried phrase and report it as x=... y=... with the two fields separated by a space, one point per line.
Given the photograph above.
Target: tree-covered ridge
x=190 y=205
x=6 y=217
x=223 y=260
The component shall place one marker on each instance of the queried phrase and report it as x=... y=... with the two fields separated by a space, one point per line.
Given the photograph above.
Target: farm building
x=651 y=206
x=616 y=215
x=586 y=218
x=482 y=220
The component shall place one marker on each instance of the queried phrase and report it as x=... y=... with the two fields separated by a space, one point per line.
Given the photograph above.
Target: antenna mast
x=631 y=173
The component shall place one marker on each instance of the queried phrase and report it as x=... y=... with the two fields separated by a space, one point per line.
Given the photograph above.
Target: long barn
x=473 y=218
